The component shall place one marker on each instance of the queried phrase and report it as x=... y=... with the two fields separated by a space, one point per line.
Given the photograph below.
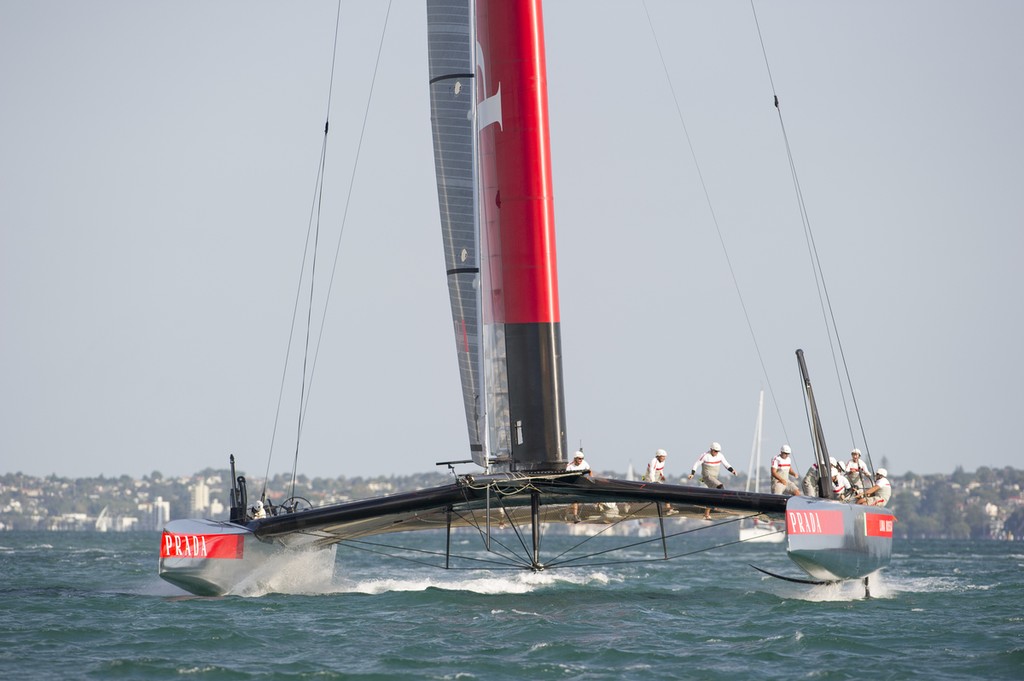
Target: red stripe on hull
x=878 y=524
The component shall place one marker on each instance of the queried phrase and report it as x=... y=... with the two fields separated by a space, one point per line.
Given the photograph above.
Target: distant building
x=155 y=514
x=199 y=497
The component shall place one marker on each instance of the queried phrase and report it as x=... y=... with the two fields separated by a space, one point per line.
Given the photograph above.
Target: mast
x=519 y=272
x=817 y=434
x=488 y=95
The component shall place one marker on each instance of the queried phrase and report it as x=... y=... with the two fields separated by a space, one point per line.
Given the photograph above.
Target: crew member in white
x=810 y=481
x=879 y=493
x=856 y=470
x=710 y=462
x=656 y=473
x=782 y=471
x=840 y=485
x=656 y=468
x=580 y=465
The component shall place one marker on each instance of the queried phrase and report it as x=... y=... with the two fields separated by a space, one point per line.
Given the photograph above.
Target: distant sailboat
x=759 y=529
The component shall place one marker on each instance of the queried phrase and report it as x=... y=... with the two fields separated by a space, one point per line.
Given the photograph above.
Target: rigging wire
x=819 y=276
x=344 y=215
x=309 y=366
x=313 y=211
x=714 y=219
x=633 y=514
x=515 y=562
x=510 y=561
x=520 y=535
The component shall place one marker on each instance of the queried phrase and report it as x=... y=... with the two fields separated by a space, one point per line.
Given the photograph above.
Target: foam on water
x=847 y=591
x=290 y=573
x=482 y=582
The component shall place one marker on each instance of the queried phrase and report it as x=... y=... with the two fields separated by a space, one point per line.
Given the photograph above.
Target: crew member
x=656 y=468
x=656 y=473
x=710 y=462
x=782 y=471
x=840 y=484
x=856 y=470
x=810 y=481
x=579 y=465
x=879 y=493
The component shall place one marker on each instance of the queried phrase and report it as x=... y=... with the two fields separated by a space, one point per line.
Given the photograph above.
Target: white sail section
x=452 y=88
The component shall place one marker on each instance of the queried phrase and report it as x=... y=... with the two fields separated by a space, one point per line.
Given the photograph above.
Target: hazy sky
x=157 y=168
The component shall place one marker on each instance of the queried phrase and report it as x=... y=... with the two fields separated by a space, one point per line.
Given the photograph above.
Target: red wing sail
x=522 y=336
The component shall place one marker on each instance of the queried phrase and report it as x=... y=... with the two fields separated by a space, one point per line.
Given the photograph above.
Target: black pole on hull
x=238 y=496
x=820 y=449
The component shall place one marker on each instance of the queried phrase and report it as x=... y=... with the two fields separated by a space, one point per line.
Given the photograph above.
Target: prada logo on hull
x=814 y=522
x=228 y=546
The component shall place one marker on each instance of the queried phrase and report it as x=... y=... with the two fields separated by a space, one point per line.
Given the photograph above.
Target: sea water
x=90 y=606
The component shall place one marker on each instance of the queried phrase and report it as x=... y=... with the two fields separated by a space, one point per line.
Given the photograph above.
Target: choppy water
x=81 y=605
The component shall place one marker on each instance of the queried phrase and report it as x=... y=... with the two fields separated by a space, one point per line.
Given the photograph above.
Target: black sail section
x=449 y=43
x=536 y=400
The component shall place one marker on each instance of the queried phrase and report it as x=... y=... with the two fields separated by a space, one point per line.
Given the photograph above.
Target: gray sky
x=157 y=167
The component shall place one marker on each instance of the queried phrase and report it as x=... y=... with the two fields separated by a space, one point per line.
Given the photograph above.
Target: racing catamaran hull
x=213 y=558
x=833 y=541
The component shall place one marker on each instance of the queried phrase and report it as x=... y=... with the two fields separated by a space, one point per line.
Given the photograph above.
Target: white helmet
x=578 y=455
x=855 y=451
x=832 y=460
x=881 y=471
x=661 y=452
x=785 y=450
x=715 y=447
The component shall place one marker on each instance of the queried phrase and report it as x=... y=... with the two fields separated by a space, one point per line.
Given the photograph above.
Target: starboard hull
x=834 y=541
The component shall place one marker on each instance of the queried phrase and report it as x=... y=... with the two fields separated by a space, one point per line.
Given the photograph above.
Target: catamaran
x=488 y=96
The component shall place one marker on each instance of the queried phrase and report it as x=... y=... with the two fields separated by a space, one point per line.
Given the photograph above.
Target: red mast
x=517 y=213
